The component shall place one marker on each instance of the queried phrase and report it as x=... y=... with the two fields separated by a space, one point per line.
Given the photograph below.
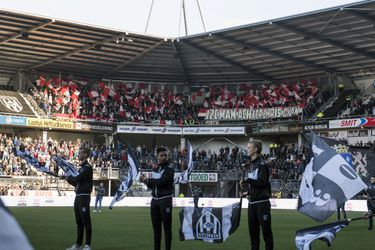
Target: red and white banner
x=352 y=123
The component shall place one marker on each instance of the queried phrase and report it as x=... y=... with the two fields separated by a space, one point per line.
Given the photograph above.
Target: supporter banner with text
x=48 y=123
x=250 y=114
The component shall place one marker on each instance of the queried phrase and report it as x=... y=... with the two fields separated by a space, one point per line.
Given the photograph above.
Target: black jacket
x=83 y=181
x=259 y=185
x=371 y=198
x=162 y=180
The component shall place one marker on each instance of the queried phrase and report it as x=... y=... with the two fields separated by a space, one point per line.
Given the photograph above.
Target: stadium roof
x=337 y=40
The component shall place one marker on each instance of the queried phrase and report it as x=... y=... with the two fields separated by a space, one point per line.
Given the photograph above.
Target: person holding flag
x=161 y=183
x=83 y=189
x=259 y=191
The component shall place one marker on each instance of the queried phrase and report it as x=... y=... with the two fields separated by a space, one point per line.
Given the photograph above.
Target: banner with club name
x=250 y=114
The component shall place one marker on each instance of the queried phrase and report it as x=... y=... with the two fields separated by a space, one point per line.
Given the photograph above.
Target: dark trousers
x=370 y=207
x=161 y=213
x=259 y=215
x=341 y=208
x=83 y=220
x=196 y=199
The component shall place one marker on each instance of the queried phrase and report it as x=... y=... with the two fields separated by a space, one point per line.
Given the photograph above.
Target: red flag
x=41 y=81
x=101 y=85
x=106 y=91
x=93 y=94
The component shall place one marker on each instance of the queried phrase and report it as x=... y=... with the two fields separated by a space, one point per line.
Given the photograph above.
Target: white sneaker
x=100 y=211
x=94 y=211
x=86 y=247
x=75 y=247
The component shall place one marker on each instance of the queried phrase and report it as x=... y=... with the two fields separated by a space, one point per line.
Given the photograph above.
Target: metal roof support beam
x=274 y=53
x=360 y=14
x=27 y=30
x=251 y=71
x=76 y=51
x=127 y=62
x=180 y=61
x=329 y=41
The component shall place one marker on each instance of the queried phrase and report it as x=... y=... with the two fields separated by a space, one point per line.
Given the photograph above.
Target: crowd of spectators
x=150 y=103
x=364 y=105
x=286 y=162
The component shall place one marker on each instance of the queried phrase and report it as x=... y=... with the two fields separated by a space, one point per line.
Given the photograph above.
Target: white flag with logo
x=213 y=225
x=328 y=181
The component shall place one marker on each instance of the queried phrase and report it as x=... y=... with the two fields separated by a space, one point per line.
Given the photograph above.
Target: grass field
x=130 y=228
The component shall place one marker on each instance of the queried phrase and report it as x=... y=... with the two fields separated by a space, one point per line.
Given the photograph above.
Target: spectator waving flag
x=183 y=177
x=33 y=162
x=11 y=234
x=326 y=233
x=328 y=181
x=213 y=225
x=66 y=166
x=128 y=180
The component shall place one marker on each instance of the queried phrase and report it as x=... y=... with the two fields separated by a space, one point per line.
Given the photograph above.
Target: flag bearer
x=161 y=184
x=259 y=192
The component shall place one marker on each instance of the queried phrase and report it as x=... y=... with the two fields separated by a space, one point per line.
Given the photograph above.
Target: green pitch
x=130 y=228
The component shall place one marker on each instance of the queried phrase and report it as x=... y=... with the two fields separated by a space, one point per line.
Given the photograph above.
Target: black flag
x=326 y=233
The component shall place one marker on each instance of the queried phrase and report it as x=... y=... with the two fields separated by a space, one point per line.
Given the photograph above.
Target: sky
x=131 y=15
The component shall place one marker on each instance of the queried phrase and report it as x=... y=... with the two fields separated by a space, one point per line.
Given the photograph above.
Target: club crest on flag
x=11 y=103
x=208 y=227
x=360 y=163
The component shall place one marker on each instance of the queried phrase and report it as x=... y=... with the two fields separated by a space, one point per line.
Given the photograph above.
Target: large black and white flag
x=183 y=177
x=326 y=233
x=360 y=157
x=34 y=162
x=128 y=180
x=213 y=225
x=328 y=181
x=11 y=234
x=66 y=166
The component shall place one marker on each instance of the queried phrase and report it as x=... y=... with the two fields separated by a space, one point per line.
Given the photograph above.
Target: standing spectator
x=100 y=192
x=259 y=186
x=83 y=184
x=371 y=201
x=341 y=208
x=161 y=184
